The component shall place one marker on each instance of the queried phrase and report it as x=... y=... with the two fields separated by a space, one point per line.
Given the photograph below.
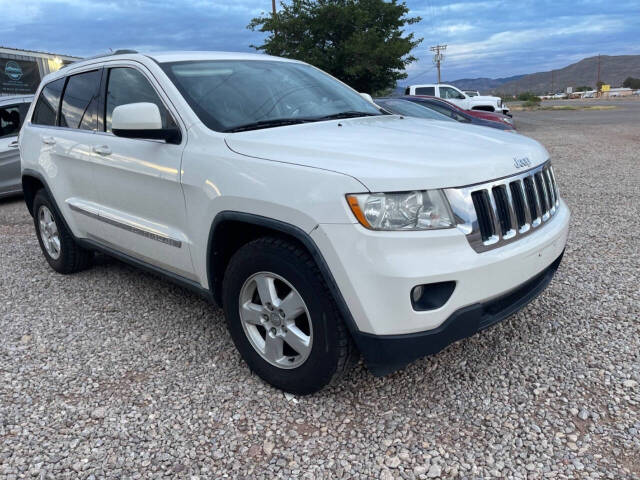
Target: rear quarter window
x=46 y=110
x=426 y=91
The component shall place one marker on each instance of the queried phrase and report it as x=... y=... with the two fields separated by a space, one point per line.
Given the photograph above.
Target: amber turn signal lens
x=355 y=208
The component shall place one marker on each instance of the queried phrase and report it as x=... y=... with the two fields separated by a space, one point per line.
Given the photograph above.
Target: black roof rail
x=117 y=52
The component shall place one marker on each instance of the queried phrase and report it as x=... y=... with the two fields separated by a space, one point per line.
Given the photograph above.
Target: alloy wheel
x=276 y=320
x=49 y=232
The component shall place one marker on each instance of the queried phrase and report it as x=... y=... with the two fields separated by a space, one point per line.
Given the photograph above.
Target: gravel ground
x=115 y=373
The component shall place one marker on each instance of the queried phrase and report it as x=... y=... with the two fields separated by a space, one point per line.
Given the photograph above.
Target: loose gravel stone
x=114 y=373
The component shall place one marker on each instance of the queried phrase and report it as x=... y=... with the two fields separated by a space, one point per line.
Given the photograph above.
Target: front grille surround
x=493 y=214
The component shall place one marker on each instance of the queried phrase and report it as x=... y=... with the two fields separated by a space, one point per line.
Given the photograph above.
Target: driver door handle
x=13 y=144
x=49 y=140
x=102 y=149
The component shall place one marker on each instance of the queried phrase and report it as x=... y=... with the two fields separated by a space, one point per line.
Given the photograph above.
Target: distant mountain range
x=613 y=71
x=483 y=84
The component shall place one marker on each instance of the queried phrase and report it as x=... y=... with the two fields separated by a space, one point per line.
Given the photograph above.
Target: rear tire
x=299 y=345
x=59 y=247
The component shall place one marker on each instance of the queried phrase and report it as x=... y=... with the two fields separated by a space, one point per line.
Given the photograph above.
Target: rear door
x=138 y=180
x=11 y=118
x=66 y=119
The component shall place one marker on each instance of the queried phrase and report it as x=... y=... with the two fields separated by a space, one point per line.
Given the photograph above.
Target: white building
x=22 y=70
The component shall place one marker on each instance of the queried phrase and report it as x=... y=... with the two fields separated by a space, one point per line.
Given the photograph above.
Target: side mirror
x=367 y=97
x=141 y=120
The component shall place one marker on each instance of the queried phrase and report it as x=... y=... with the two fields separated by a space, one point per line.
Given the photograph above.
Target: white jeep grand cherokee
x=321 y=224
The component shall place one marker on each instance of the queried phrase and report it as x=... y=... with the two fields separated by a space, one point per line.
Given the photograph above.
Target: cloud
x=484 y=38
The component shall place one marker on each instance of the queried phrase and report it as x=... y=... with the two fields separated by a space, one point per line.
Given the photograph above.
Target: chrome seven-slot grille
x=495 y=213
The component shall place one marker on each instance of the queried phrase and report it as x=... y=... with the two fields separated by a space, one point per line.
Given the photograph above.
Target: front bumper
x=376 y=271
x=388 y=353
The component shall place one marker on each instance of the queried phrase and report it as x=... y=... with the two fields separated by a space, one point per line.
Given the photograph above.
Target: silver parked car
x=13 y=109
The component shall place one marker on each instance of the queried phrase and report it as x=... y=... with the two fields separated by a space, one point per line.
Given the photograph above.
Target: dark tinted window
x=441 y=107
x=46 y=109
x=80 y=100
x=127 y=85
x=24 y=108
x=426 y=91
x=10 y=121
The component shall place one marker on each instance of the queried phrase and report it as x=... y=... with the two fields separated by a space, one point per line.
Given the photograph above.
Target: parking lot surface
x=114 y=373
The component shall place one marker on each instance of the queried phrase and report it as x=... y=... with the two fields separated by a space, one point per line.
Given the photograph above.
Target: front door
x=454 y=96
x=142 y=204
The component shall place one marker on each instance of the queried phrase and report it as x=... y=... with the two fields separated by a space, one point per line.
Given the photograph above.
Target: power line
x=420 y=74
x=438 y=56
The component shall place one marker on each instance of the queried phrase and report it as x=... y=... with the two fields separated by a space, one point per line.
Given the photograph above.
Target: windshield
x=230 y=95
x=410 y=109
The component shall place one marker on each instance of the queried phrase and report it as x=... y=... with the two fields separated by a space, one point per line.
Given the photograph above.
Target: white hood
x=486 y=100
x=390 y=153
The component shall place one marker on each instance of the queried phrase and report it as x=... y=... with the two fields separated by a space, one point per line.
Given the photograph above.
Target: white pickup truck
x=458 y=97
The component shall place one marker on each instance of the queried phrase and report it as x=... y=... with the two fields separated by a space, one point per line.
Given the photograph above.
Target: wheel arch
x=30 y=186
x=231 y=230
x=32 y=182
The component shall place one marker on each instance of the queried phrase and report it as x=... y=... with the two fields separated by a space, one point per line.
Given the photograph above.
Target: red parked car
x=490 y=116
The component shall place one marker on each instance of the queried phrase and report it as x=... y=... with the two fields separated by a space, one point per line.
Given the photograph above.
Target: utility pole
x=552 y=82
x=598 y=77
x=273 y=7
x=438 y=56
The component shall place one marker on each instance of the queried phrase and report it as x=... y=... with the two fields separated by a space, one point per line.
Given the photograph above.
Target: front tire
x=282 y=318
x=60 y=249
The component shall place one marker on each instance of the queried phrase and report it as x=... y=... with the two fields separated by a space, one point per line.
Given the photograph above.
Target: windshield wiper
x=347 y=114
x=276 y=122
x=279 y=122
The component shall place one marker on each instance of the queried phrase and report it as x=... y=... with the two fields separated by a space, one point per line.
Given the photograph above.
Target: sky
x=485 y=38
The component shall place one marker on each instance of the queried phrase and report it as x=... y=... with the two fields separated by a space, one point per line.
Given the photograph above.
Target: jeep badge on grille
x=521 y=162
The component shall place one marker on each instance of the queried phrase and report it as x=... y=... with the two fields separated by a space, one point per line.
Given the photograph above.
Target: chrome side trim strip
x=130 y=228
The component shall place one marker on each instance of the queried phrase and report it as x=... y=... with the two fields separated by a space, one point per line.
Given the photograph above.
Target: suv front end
x=412 y=293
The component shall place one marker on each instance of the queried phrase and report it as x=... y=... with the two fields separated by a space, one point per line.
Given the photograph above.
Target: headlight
x=419 y=210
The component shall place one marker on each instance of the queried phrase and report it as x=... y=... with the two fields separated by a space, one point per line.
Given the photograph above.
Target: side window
x=10 y=121
x=448 y=92
x=80 y=101
x=24 y=108
x=426 y=91
x=46 y=111
x=442 y=110
x=127 y=85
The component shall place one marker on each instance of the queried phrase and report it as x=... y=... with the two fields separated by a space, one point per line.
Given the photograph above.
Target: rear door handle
x=101 y=149
x=13 y=144
x=49 y=140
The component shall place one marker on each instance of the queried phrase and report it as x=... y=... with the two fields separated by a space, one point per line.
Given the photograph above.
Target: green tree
x=631 y=82
x=529 y=97
x=583 y=88
x=361 y=42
